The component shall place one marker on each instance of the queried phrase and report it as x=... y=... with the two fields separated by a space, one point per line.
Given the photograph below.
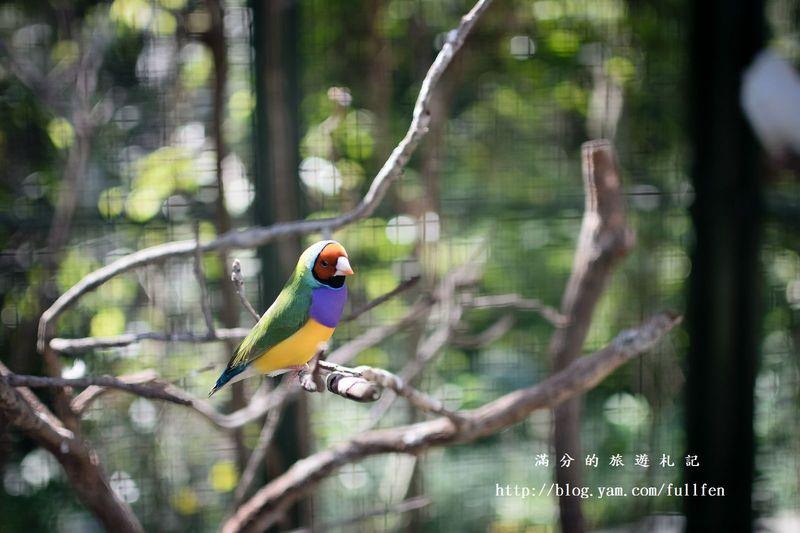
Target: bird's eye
x=324 y=264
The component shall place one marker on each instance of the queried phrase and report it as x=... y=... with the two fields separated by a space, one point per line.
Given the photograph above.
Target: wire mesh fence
x=499 y=172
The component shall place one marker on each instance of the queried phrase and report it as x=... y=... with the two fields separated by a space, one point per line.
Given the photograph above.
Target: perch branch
x=254 y=237
x=272 y=500
x=310 y=379
x=261 y=402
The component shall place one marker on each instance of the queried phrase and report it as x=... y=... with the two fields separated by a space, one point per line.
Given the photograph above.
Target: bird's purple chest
x=327 y=305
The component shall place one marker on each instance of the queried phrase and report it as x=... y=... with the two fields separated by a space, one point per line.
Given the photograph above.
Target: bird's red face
x=332 y=262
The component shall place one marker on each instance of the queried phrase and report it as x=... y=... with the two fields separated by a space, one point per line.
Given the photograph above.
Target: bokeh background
x=125 y=123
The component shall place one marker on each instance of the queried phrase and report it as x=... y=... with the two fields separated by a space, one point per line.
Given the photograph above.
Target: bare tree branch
x=156 y=390
x=261 y=511
x=87 y=344
x=81 y=402
x=258 y=236
x=24 y=411
x=604 y=239
x=261 y=402
x=411 y=504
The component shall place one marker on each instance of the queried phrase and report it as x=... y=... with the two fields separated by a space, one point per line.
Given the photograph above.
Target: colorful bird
x=302 y=318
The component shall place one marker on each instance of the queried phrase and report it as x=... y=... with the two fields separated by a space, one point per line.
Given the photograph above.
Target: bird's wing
x=285 y=316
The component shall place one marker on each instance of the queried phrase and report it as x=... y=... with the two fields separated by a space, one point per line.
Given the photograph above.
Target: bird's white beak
x=343 y=267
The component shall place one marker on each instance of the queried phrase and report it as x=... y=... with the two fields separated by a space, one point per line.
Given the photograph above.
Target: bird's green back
x=284 y=317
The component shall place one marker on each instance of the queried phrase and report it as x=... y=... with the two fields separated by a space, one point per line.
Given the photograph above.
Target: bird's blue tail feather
x=226 y=376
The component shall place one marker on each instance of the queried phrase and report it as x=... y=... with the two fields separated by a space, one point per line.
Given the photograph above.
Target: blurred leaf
x=563 y=43
x=111 y=202
x=186 y=501
x=108 y=322
x=223 y=476
x=196 y=70
x=61 y=133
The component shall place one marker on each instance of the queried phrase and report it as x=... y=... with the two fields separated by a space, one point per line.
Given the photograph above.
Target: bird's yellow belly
x=296 y=350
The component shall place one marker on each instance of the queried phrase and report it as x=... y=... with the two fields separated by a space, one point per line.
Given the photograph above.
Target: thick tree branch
x=272 y=500
x=21 y=408
x=255 y=237
x=604 y=239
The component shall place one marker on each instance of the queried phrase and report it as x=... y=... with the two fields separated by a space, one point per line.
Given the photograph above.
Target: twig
x=343 y=381
x=261 y=511
x=499 y=328
x=201 y=280
x=411 y=504
x=281 y=394
x=238 y=281
x=402 y=287
x=157 y=391
x=524 y=304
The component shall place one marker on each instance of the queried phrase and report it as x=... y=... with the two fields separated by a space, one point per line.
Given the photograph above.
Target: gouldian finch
x=303 y=317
